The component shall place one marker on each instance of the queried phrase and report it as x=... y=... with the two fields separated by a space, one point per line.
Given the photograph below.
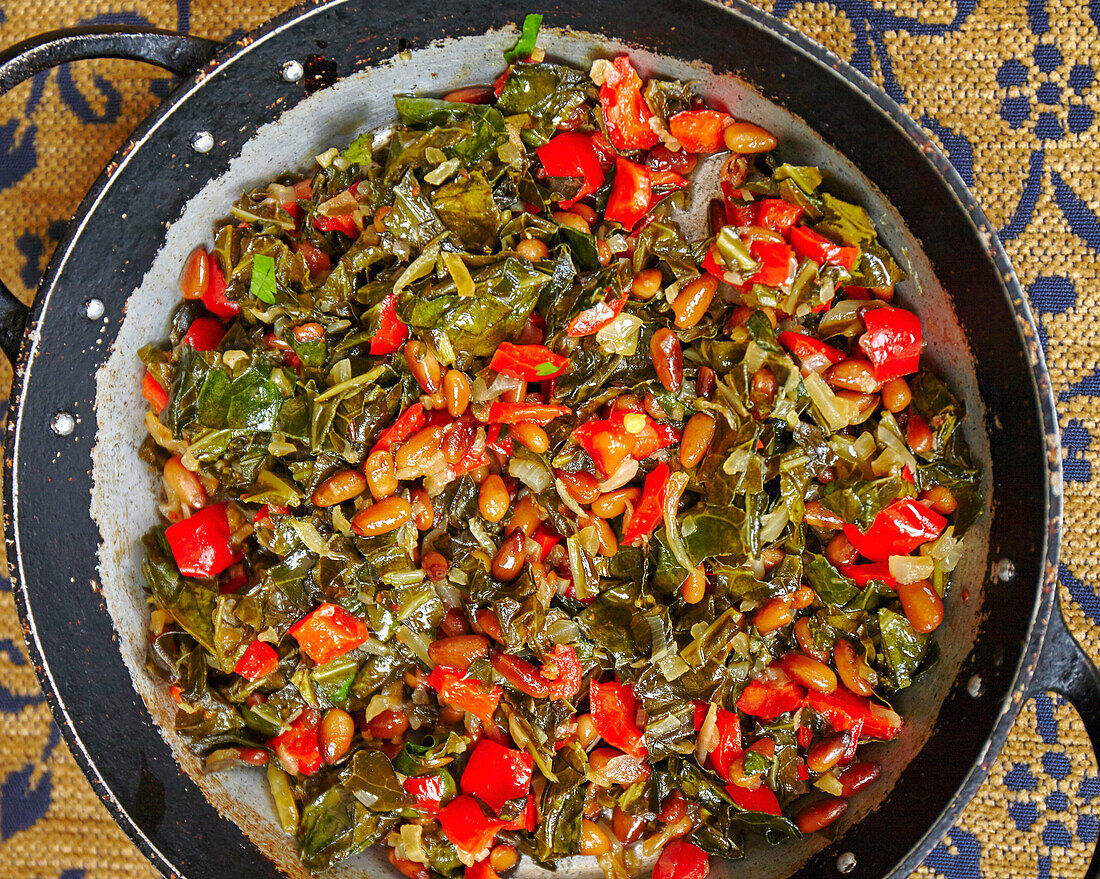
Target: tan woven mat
x=1008 y=89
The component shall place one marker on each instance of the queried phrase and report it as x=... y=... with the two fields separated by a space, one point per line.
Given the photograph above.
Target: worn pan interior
x=973 y=339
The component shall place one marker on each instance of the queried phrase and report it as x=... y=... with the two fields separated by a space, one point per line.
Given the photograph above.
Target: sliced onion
x=531 y=472
x=627 y=470
x=677 y=482
x=480 y=393
x=482 y=537
x=911 y=568
x=707 y=738
x=620 y=336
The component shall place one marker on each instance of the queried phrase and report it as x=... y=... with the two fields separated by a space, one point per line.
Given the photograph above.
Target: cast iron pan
x=1020 y=641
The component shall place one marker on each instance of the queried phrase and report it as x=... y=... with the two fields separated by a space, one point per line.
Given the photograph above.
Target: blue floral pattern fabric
x=1008 y=88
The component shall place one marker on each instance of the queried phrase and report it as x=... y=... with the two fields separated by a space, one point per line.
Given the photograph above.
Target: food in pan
x=504 y=518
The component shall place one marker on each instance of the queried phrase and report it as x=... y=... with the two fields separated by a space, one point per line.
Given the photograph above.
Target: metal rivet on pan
x=974 y=686
x=846 y=863
x=63 y=424
x=292 y=70
x=1004 y=570
x=94 y=309
x=202 y=141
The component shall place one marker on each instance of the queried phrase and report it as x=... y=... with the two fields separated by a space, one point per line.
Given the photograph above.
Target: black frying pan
x=243 y=109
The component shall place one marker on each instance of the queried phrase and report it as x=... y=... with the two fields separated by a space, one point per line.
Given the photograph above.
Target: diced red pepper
x=741 y=215
x=529 y=362
x=712 y=263
x=853 y=743
x=805 y=736
x=681 y=859
x=568 y=665
x=667 y=435
x=762 y=799
x=514 y=413
x=664 y=180
x=300 y=743
x=864 y=574
x=898 y=529
x=265 y=512
x=607 y=442
x=547 y=538
x=258 y=661
x=699 y=131
x=342 y=223
x=571 y=154
x=853 y=291
x=316 y=259
x=407 y=423
x=815 y=355
x=214 y=299
x=892 y=342
x=494 y=441
x=392 y=333
x=728 y=747
x=232 y=578
x=631 y=194
x=528 y=819
x=594 y=319
x=329 y=632
x=809 y=244
x=768 y=701
x=650 y=507
x=204 y=334
x=154 y=394
x=428 y=790
x=614 y=710
x=800 y=770
x=626 y=114
x=496 y=774
x=465 y=824
x=775 y=262
x=200 y=544
x=469 y=694
x=843 y=709
x=777 y=214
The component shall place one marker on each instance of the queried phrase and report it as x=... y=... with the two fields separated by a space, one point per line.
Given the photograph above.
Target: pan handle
x=1065 y=668
x=178 y=53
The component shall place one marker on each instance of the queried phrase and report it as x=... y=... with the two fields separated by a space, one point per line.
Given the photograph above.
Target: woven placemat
x=1008 y=90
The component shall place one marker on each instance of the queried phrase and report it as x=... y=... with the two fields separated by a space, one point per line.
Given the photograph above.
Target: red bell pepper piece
x=214 y=299
x=258 y=661
x=864 y=574
x=407 y=423
x=607 y=442
x=713 y=265
x=467 y=826
x=299 y=744
x=626 y=114
x=809 y=244
x=892 y=342
x=667 y=435
x=496 y=774
x=699 y=131
x=762 y=799
x=571 y=154
x=264 y=513
x=528 y=819
x=898 y=529
x=631 y=194
x=547 y=538
x=741 y=215
x=392 y=333
x=200 y=544
x=815 y=355
x=664 y=180
x=614 y=708
x=594 y=319
x=775 y=262
x=777 y=214
x=494 y=441
x=568 y=682
x=154 y=394
x=650 y=507
x=468 y=694
x=529 y=362
x=768 y=701
x=204 y=334
x=342 y=223
x=728 y=747
x=843 y=709
x=428 y=790
x=681 y=859
x=805 y=736
x=327 y=632
x=536 y=413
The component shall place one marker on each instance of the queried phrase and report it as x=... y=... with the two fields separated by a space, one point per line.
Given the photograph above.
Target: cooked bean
x=802 y=597
x=458 y=651
x=586 y=731
x=454 y=622
x=510 y=558
x=531 y=436
x=820 y=516
x=940 y=499
x=585 y=212
x=344 y=485
x=852 y=375
x=470 y=94
x=716 y=215
x=820 y=815
x=706 y=383
x=694 y=587
x=594 y=841
x=827 y=753
x=764 y=746
x=852 y=668
x=195 y=277
x=457 y=439
x=748 y=139
x=918 y=434
x=390 y=724
x=252 y=756
x=627 y=828
x=515 y=394
x=381 y=474
x=839 y=551
x=856 y=777
x=493 y=500
x=309 y=332
x=858 y=407
x=692 y=302
x=456 y=392
x=740 y=778
x=582 y=487
x=520 y=674
x=424 y=366
x=896 y=395
x=335 y=734
x=183 y=483
x=803 y=633
x=613 y=503
x=668 y=359
x=488 y=623
x=603 y=252
x=773 y=615
x=673 y=809
x=532 y=249
x=526 y=516
x=618 y=767
x=811 y=673
x=423 y=511
x=382 y=517
x=646 y=284
x=503 y=857
x=572 y=220
x=420 y=448
x=698 y=433
x=922 y=605
x=764 y=386
x=609 y=543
